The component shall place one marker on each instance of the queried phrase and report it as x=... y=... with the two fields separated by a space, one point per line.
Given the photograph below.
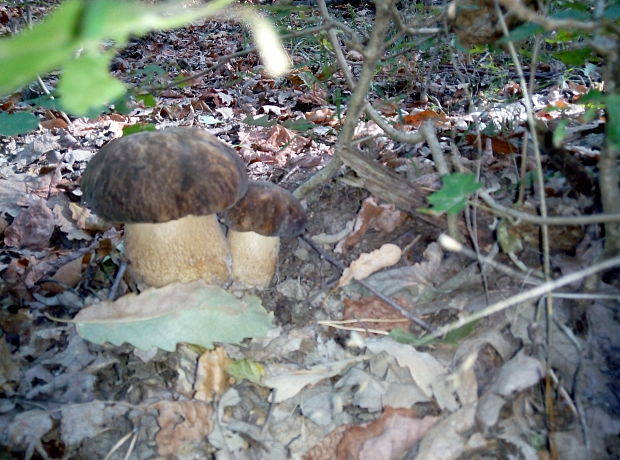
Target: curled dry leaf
x=322 y=116
x=87 y=220
x=382 y=217
x=368 y=308
x=182 y=423
x=211 y=377
x=68 y=274
x=387 y=438
x=370 y=262
x=67 y=224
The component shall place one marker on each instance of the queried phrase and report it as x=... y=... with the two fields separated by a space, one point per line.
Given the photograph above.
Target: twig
x=428 y=131
x=340 y=266
x=452 y=245
x=117 y=280
x=553 y=220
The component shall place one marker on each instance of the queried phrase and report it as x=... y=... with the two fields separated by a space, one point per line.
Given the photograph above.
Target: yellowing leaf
x=195 y=313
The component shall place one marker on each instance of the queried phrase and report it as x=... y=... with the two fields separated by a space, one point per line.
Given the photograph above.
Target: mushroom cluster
x=166 y=187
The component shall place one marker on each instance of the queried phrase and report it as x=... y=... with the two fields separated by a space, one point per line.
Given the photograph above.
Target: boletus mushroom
x=166 y=187
x=256 y=223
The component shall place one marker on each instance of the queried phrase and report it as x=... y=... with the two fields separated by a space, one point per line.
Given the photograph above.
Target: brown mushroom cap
x=268 y=210
x=158 y=176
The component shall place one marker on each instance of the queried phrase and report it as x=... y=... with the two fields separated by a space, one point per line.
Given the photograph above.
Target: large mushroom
x=166 y=187
x=256 y=223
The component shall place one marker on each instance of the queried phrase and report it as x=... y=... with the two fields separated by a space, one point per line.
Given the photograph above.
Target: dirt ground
x=325 y=382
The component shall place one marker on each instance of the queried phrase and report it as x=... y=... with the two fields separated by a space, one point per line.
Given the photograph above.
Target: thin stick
x=453 y=245
x=340 y=266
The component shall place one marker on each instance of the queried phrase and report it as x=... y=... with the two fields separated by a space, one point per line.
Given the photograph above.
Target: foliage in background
x=81 y=37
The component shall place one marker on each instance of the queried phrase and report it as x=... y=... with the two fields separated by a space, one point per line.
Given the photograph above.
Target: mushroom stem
x=182 y=250
x=254 y=258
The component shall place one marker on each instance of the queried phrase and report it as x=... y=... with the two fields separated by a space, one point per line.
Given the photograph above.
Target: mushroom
x=256 y=223
x=166 y=187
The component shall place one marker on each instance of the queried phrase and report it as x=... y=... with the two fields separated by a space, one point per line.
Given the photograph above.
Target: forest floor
x=330 y=383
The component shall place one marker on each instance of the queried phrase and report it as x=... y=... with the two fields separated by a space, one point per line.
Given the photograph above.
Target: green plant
x=81 y=37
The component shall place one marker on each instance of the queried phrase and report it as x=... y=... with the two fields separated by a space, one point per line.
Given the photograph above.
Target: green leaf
x=138 y=128
x=117 y=20
x=246 y=369
x=298 y=125
x=147 y=99
x=508 y=241
x=451 y=338
x=87 y=83
x=453 y=195
x=522 y=32
x=12 y=124
x=85 y=24
x=195 y=313
x=612 y=128
x=593 y=96
x=559 y=133
x=263 y=121
x=46 y=101
x=41 y=49
x=612 y=12
x=578 y=14
x=574 y=57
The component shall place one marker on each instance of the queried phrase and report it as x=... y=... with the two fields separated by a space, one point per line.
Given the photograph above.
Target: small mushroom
x=167 y=186
x=256 y=223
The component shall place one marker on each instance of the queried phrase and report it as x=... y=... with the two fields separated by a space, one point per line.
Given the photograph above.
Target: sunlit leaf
x=86 y=83
x=41 y=49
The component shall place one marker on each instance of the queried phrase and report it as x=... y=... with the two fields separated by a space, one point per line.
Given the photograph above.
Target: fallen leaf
x=446 y=440
x=387 y=438
x=87 y=420
x=326 y=449
x=67 y=224
x=68 y=275
x=32 y=228
x=27 y=428
x=383 y=217
x=10 y=190
x=194 y=313
x=54 y=123
x=417 y=119
x=323 y=116
x=368 y=308
x=211 y=377
x=316 y=97
x=182 y=424
x=368 y=263
x=428 y=373
x=288 y=384
x=86 y=220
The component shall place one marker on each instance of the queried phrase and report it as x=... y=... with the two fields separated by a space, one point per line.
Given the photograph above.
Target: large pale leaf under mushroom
x=195 y=313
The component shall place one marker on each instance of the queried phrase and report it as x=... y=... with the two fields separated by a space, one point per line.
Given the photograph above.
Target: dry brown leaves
x=368 y=308
x=387 y=438
x=211 y=377
x=182 y=423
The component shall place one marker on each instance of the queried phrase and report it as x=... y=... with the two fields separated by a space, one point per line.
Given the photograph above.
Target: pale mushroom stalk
x=181 y=250
x=256 y=223
x=255 y=257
